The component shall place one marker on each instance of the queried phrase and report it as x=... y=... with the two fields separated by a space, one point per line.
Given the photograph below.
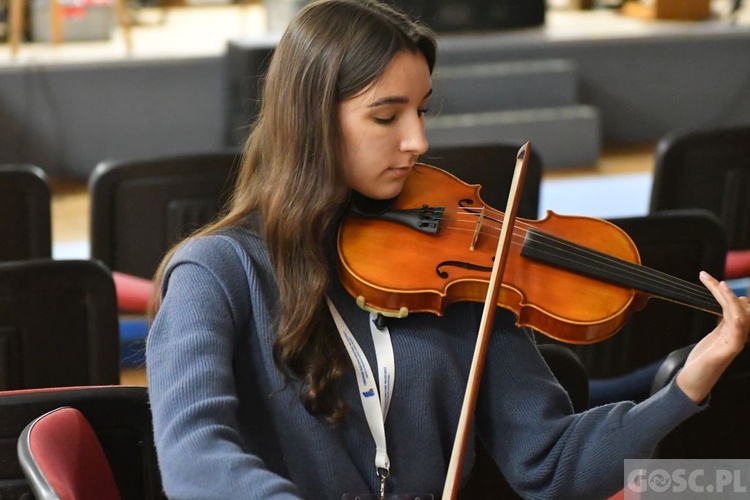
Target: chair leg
x=56 y=22
x=123 y=20
x=15 y=21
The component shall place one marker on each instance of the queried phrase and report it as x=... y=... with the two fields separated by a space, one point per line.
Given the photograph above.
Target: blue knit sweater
x=228 y=427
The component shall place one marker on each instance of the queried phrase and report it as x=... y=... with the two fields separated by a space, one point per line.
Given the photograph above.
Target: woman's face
x=383 y=127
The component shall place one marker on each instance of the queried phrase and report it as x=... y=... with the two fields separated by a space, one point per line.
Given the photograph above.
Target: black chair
x=720 y=430
x=139 y=209
x=24 y=213
x=708 y=169
x=486 y=481
x=121 y=418
x=492 y=167
x=58 y=324
x=680 y=244
x=568 y=369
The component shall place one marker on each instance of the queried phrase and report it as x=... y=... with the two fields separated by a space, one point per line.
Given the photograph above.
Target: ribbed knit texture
x=227 y=427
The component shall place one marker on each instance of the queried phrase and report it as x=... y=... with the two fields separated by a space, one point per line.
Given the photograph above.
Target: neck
x=361 y=204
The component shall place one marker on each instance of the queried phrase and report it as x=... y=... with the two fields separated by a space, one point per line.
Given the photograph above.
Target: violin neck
x=593 y=264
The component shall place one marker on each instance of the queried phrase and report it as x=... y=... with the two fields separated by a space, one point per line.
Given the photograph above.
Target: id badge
x=388 y=496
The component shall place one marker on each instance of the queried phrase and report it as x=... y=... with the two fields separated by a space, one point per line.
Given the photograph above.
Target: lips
x=401 y=171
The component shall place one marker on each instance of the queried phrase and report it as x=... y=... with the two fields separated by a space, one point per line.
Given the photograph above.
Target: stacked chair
x=59 y=347
x=25 y=208
x=139 y=209
x=709 y=169
x=105 y=451
x=60 y=315
x=58 y=324
x=720 y=430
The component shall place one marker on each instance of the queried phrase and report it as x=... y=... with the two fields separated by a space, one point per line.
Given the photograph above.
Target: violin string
x=643 y=274
x=647 y=276
x=681 y=289
x=620 y=266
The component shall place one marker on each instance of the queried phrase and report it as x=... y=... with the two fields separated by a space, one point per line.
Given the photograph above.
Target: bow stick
x=477 y=364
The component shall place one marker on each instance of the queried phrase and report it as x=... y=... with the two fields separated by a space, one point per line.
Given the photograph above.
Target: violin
x=575 y=279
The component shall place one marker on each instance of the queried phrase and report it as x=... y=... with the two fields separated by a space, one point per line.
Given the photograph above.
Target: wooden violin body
x=436 y=245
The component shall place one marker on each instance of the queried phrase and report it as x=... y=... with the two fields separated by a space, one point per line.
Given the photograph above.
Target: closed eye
x=385 y=121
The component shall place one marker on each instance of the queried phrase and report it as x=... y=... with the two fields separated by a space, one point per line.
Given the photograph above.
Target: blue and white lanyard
x=374 y=401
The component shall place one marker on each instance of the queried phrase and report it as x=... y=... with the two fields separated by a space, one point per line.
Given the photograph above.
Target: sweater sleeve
x=190 y=351
x=545 y=450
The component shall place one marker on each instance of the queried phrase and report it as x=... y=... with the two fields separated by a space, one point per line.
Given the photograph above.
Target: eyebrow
x=394 y=100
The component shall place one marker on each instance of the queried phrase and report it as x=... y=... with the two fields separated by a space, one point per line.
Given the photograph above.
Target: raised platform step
x=476 y=88
x=565 y=136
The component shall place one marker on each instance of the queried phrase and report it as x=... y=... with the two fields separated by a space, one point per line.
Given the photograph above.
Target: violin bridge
x=477 y=230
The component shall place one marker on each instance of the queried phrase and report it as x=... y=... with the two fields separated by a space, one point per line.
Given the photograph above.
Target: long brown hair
x=293 y=178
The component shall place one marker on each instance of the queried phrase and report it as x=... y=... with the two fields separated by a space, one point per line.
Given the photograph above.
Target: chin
x=387 y=195
x=376 y=203
x=384 y=191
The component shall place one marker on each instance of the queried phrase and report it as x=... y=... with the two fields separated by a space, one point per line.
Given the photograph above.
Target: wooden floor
x=133 y=376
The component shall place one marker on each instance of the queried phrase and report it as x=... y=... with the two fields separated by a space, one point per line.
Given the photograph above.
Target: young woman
x=250 y=356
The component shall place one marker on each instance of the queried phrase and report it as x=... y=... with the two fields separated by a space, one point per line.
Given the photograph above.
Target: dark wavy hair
x=293 y=178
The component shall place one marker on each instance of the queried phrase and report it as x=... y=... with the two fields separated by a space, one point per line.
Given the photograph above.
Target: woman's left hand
x=712 y=355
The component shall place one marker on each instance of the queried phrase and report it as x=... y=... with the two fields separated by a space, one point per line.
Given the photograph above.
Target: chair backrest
x=568 y=369
x=720 y=430
x=24 y=213
x=139 y=209
x=681 y=244
x=492 y=167
x=58 y=324
x=707 y=169
x=120 y=417
x=62 y=458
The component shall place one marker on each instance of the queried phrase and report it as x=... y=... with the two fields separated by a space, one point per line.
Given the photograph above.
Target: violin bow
x=480 y=350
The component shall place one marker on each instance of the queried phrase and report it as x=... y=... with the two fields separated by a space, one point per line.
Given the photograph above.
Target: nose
x=415 y=140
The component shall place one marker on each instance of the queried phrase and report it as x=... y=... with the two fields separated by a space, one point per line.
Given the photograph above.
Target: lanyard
x=374 y=401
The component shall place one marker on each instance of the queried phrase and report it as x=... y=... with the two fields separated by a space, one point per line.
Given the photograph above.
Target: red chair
x=133 y=292
x=119 y=415
x=62 y=458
